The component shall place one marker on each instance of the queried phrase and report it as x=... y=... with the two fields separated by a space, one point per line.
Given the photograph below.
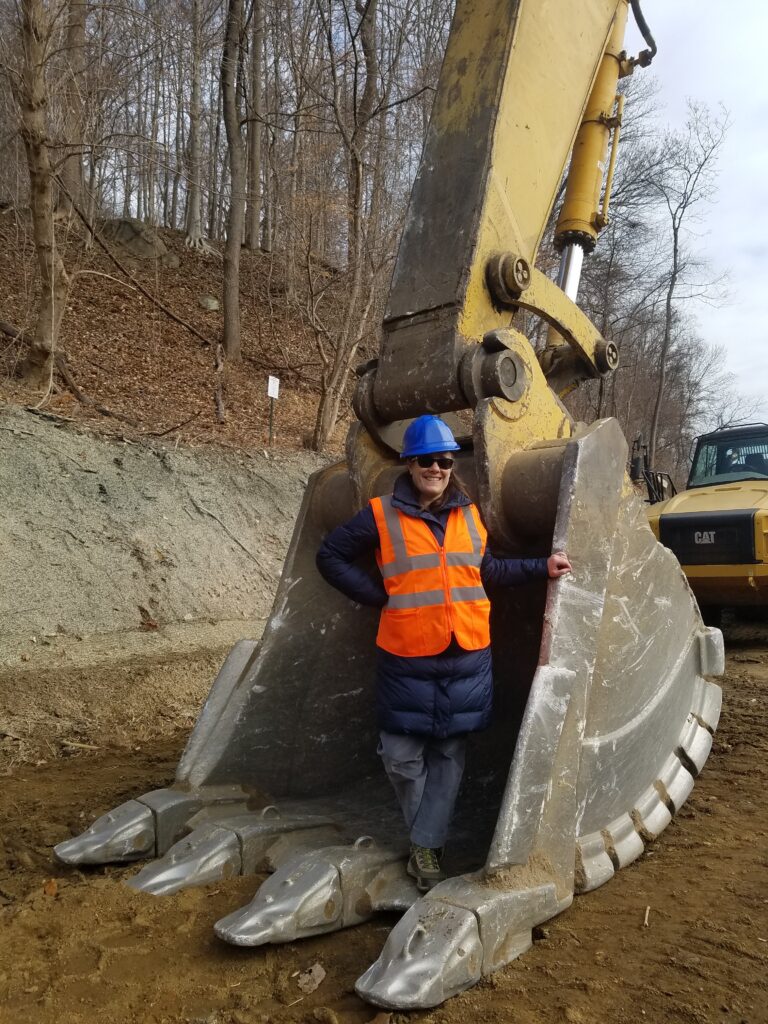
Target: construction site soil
x=679 y=936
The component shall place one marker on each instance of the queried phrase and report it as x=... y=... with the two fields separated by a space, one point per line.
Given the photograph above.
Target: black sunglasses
x=425 y=461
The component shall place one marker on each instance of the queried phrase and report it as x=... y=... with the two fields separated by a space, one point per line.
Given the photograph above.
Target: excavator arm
x=604 y=713
x=518 y=87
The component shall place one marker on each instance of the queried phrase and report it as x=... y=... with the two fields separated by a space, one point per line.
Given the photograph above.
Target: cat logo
x=704 y=537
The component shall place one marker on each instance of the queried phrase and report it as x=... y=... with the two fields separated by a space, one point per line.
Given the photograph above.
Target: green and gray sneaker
x=424 y=866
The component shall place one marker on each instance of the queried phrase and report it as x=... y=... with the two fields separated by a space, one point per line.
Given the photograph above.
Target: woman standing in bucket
x=433 y=674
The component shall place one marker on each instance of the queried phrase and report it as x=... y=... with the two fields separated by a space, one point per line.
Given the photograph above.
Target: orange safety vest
x=433 y=591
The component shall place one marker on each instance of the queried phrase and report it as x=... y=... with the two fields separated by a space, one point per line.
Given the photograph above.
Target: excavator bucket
x=604 y=718
x=604 y=714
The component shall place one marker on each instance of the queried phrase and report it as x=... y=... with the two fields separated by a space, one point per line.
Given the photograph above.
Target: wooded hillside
x=290 y=131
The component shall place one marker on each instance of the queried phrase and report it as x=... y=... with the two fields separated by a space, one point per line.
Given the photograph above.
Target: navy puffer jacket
x=439 y=695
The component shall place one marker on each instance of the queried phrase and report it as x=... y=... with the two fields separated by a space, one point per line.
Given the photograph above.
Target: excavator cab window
x=725 y=459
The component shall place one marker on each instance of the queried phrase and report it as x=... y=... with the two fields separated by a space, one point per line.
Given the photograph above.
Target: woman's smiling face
x=430 y=481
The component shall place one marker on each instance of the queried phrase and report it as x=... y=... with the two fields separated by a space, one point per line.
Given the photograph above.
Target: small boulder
x=137 y=238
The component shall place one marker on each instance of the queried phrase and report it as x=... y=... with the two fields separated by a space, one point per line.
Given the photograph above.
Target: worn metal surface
x=617 y=718
x=240 y=845
x=461 y=930
x=320 y=890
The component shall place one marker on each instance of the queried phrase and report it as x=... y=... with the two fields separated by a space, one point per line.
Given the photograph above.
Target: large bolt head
x=606 y=356
x=521 y=273
x=508 y=275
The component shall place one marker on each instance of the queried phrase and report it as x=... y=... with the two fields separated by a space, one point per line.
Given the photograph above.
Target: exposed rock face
x=93 y=529
x=127 y=571
x=140 y=240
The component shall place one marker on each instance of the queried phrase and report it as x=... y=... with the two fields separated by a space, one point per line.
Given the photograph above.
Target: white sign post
x=273 y=391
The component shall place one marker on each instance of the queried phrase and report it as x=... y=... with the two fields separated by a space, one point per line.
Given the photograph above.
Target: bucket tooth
x=303 y=898
x=240 y=845
x=449 y=939
x=321 y=891
x=124 y=834
x=432 y=953
x=208 y=854
x=149 y=825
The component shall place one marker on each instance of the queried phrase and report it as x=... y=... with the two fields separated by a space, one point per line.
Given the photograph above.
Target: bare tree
x=194 y=223
x=71 y=172
x=236 y=216
x=366 y=91
x=686 y=180
x=35 y=27
x=255 y=116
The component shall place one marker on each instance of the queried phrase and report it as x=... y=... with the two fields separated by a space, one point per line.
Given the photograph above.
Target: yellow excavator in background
x=604 y=713
x=718 y=526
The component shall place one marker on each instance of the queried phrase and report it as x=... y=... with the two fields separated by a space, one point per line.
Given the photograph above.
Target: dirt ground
x=81 y=948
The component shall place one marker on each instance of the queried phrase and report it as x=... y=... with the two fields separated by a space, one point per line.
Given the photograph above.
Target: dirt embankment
x=81 y=948
x=127 y=570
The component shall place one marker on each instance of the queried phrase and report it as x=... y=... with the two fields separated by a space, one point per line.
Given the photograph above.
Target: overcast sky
x=714 y=52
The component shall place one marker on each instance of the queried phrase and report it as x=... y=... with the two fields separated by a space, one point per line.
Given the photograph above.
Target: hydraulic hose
x=646 y=56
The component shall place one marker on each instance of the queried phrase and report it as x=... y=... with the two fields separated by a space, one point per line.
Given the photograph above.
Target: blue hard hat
x=426 y=435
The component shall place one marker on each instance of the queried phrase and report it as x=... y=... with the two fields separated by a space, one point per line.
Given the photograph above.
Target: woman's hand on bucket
x=558 y=565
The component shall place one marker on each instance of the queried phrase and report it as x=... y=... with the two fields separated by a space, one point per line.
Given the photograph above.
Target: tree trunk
x=214 y=191
x=355 y=319
x=71 y=172
x=194 y=225
x=31 y=95
x=236 y=215
x=291 y=219
x=141 y=134
x=269 y=190
x=178 y=148
x=268 y=197
x=253 y=209
x=153 y=85
x=354 y=323
x=668 y=314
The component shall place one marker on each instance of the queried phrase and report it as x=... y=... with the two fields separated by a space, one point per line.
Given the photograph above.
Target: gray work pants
x=426 y=775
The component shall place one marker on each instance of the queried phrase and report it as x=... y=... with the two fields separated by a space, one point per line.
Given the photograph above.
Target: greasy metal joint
x=508 y=275
x=493 y=370
x=580 y=238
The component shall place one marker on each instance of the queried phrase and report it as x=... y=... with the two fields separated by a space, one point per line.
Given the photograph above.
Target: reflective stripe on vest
x=433 y=591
